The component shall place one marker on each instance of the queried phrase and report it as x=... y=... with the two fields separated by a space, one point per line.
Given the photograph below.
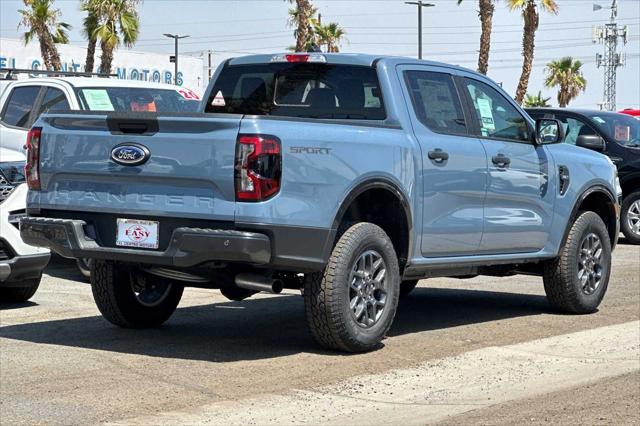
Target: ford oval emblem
x=130 y=154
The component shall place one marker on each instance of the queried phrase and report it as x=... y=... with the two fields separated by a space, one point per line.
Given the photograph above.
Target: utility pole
x=174 y=59
x=611 y=60
x=420 y=5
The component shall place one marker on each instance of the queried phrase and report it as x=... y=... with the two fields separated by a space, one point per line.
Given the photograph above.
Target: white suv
x=21 y=265
x=23 y=101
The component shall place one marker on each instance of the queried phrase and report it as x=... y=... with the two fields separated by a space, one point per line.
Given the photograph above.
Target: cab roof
x=361 y=59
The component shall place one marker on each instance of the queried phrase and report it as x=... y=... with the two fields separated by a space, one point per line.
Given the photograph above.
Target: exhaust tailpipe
x=257 y=282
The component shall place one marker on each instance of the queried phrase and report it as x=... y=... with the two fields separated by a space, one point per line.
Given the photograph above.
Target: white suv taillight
x=258 y=167
x=32 y=168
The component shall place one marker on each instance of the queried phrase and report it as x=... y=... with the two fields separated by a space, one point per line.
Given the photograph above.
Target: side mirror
x=549 y=130
x=593 y=142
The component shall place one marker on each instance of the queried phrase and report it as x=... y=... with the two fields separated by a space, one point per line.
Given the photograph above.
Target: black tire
x=20 y=294
x=84 y=266
x=627 y=204
x=113 y=291
x=407 y=287
x=562 y=285
x=327 y=294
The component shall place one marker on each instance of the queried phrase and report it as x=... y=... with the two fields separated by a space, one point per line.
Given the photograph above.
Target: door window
x=54 y=100
x=19 y=106
x=436 y=102
x=574 y=127
x=496 y=116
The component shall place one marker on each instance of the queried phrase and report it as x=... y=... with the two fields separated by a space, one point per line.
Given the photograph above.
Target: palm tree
x=118 y=22
x=531 y=18
x=301 y=16
x=536 y=101
x=41 y=20
x=90 y=24
x=485 y=12
x=565 y=74
x=330 y=35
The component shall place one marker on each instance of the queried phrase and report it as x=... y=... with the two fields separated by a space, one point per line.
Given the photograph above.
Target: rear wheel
x=84 y=266
x=131 y=299
x=351 y=305
x=20 y=294
x=630 y=217
x=577 y=280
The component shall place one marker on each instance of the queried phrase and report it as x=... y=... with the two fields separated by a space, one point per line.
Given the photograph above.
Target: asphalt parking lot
x=479 y=351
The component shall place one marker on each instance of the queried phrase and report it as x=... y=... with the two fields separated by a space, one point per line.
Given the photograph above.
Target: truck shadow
x=269 y=327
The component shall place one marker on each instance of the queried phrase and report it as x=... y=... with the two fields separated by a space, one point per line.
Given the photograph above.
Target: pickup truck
x=348 y=177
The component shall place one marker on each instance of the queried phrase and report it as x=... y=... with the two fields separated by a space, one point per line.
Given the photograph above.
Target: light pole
x=175 y=37
x=420 y=5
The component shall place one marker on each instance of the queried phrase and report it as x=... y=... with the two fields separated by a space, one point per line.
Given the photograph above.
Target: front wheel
x=20 y=294
x=630 y=217
x=351 y=305
x=131 y=299
x=577 y=280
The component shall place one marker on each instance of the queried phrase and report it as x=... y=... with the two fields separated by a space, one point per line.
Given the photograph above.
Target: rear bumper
x=188 y=246
x=19 y=268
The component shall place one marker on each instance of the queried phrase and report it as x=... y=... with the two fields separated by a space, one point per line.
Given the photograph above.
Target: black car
x=615 y=135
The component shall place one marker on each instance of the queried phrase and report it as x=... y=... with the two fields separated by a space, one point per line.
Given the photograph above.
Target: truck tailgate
x=189 y=172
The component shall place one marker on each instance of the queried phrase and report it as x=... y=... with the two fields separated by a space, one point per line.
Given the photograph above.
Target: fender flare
x=377 y=183
x=614 y=206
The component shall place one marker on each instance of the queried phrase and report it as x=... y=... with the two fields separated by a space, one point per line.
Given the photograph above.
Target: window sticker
x=98 y=100
x=189 y=94
x=486 y=116
x=623 y=133
x=218 y=100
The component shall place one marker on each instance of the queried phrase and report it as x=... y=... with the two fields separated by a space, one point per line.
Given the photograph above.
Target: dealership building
x=127 y=64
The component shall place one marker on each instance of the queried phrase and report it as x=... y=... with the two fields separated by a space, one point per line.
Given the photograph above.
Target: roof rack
x=10 y=72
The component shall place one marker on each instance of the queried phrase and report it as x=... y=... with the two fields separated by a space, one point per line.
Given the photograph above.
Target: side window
x=573 y=128
x=496 y=116
x=19 y=106
x=436 y=102
x=54 y=100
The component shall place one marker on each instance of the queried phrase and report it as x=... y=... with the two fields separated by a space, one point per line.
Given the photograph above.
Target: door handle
x=501 y=160
x=438 y=155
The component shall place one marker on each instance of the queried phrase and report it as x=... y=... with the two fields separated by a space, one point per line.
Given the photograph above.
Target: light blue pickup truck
x=348 y=177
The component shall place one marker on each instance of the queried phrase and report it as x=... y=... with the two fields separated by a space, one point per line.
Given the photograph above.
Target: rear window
x=298 y=90
x=129 y=99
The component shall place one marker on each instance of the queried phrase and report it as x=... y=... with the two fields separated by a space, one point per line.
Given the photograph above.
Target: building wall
x=127 y=64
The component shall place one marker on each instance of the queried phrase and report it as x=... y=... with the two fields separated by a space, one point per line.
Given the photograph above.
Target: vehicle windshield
x=138 y=99
x=309 y=90
x=624 y=129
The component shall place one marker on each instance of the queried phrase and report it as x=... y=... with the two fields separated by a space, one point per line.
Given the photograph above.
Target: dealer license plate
x=137 y=233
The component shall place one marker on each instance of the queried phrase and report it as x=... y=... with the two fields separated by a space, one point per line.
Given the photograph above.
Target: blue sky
x=451 y=34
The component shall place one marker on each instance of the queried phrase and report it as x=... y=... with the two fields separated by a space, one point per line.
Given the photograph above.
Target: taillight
x=258 y=167
x=32 y=168
x=300 y=57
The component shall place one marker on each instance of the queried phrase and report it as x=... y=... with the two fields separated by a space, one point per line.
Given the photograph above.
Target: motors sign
x=127 y=65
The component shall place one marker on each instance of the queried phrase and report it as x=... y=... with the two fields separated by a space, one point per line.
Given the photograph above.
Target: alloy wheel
x=368 y=291
x=590 y=267
x=633 y=217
